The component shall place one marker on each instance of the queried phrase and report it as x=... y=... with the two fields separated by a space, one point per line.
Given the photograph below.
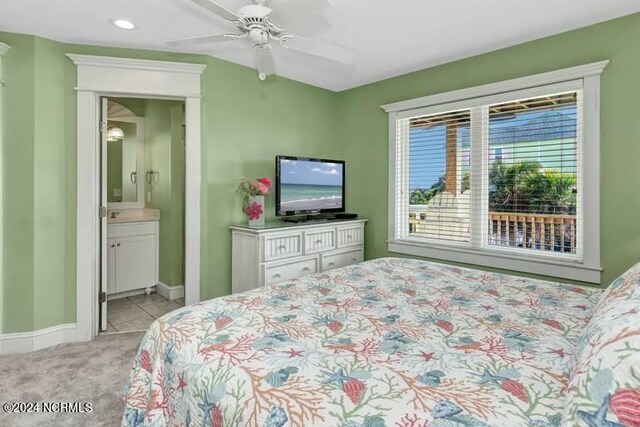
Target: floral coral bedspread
x=390 y=342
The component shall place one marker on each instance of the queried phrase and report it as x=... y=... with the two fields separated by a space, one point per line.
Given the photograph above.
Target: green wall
x=364 y=126
x=164 y=155
x=18 y=184
x=245 y=124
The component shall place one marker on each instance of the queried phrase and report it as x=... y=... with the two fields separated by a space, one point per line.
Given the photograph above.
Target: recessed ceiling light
x=124 y=24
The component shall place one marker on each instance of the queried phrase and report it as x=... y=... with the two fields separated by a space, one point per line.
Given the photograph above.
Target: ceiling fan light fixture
x=260 y=24
x=123 y=24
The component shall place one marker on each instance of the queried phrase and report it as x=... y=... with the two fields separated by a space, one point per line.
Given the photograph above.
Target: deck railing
x=534 y=231
x=543 y=232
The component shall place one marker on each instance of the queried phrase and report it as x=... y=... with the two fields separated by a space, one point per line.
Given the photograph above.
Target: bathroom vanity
x=132 y=251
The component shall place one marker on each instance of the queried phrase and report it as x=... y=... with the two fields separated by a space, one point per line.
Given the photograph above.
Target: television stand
x=284 y=251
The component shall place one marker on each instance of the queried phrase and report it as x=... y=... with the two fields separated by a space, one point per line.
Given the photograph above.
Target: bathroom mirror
x=125 y=158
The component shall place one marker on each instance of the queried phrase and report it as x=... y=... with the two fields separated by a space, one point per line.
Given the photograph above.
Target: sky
x=310 y=172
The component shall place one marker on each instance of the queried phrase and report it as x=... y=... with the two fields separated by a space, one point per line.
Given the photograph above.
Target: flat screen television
x=309 y=187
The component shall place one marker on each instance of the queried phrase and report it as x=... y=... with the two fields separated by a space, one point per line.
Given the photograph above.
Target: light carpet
x=93 y=372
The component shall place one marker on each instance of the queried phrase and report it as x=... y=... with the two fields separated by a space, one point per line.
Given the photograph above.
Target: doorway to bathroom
x=143 y=188
x=99 y=76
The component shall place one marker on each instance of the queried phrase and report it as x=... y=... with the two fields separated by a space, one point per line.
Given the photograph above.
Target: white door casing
x=103 y=219
x=109 y=76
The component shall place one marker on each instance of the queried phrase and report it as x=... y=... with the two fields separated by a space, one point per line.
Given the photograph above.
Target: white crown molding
x=25 y=342
x=170 y=292
x=566 y=74
x=136 y=64
x=119 y=76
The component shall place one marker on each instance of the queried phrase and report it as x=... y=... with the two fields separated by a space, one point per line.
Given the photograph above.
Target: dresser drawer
x=350 y=236
x=282 y=246
x=341 y=259
x=131 y=229
x=277 y=272
x=319 y=240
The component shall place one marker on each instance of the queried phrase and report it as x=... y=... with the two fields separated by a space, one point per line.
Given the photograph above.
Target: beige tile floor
x=136 y=313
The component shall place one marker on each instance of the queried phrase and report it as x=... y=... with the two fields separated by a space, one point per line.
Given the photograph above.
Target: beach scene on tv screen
x=308 y=185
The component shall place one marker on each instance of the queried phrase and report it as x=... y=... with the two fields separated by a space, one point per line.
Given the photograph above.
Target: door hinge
x=103 y=127
x=103 y=297
x=103 y=211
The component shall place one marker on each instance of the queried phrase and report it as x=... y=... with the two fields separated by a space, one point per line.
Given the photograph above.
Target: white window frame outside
x=582 y=266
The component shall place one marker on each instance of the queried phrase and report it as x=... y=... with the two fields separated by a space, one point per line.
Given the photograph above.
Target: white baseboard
x=170 y=292
x=25 y=342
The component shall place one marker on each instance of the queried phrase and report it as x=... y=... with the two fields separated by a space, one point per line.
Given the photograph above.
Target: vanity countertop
x=132 y=215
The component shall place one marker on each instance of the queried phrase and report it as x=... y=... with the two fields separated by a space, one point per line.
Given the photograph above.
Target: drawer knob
x=118 y=244
x=332 y=263
x=319 y=241
x=306 y=269
x=282 y=247
x=276 y=276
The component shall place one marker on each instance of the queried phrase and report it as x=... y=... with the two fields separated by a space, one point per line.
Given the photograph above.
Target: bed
x=389 y=342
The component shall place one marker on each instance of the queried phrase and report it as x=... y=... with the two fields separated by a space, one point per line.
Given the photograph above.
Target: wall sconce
x=115 y=133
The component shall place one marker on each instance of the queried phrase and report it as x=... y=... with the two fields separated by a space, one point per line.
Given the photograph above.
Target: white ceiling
x=390 y=37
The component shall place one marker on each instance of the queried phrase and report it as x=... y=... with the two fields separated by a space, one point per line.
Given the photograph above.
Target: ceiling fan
x=263 y=22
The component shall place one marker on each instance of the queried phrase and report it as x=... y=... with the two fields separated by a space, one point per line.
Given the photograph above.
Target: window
x=504 y=175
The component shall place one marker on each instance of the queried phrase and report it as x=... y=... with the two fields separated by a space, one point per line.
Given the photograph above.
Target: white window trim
x=586 y=267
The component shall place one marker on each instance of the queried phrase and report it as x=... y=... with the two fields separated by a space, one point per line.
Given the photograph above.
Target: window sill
x=534 y=264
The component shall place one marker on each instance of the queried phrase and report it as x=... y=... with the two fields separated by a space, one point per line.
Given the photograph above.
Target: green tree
x=421 y=196
x=527 y=187
x=466 y=182
x=552 y=192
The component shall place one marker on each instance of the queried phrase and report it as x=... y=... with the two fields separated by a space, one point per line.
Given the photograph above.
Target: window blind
x=526 y=196
x=532 y=164
x=438 y=176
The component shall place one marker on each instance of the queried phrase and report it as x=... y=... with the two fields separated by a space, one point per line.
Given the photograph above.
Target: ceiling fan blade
x=264 y=60
x=286 y=12
x=213 y=38
x=218 y=9
x=318 y=48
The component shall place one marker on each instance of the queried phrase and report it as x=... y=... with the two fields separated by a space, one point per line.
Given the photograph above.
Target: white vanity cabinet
x=132 y=256
x=262 y=256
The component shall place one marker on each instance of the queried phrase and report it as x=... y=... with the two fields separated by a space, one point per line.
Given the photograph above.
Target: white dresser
x=281 y=251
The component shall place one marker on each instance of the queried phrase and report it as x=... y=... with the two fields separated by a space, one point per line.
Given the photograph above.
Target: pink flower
x=262 y=185
x=254 y=210
x=264 y=181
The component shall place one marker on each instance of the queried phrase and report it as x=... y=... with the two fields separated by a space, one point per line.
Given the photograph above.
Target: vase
x=255 y=211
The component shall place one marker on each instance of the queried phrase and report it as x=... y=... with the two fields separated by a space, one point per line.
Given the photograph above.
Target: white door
x=111 y=266
x=102 y=294
x=135 y=262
